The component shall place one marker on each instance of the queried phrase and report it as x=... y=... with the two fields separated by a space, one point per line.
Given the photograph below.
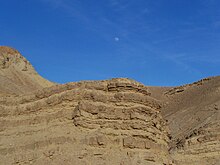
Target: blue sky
x=156 y=42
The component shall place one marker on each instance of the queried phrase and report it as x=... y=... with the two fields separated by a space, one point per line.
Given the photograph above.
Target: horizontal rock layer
x=106 y=122
x=117 y=121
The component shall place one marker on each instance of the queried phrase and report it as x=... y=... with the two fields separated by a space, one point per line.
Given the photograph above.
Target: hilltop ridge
x=17 y=75
x=118 y=121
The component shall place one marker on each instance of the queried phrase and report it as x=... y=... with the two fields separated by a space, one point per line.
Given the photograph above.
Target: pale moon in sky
x=116 y=39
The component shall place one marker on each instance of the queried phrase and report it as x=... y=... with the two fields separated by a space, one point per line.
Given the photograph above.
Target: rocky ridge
x=17 y=75
x=114 y=121
x=193 y=117
x=117 y=121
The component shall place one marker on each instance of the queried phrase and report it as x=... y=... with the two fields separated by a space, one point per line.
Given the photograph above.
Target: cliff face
x=105 y=122
x=117 y=121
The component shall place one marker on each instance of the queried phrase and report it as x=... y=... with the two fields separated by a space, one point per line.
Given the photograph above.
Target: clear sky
x=156 y=42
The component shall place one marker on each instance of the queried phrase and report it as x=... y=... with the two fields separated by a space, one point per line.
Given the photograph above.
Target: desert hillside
x=113 y=122
x=194 y=120
x=17 y=75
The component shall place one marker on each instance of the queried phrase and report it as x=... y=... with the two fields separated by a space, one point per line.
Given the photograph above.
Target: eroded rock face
x=88 y=122
x=117 y=121
x=124 y=121
x=10 y=57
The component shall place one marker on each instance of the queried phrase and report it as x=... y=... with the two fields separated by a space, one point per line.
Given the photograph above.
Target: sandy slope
x=194 y=121
x=17 y=75
x=117 y=121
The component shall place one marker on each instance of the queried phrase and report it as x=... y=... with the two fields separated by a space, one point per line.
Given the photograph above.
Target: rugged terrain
x=117 y=121
x=17 y=76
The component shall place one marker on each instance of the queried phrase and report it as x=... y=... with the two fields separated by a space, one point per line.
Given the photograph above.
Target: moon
x=117 y=39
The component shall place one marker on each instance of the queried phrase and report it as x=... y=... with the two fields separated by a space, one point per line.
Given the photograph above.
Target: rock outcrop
x=117 y=121
x=107 y=122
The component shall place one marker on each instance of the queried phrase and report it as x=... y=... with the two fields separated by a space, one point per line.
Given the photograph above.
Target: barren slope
x=193 y=114
x=117 y=121
x=17 y=75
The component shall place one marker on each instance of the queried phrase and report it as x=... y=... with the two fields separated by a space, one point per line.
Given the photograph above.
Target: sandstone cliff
x=117 y=121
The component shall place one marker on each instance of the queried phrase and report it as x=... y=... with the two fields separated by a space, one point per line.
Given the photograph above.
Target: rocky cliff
x=117 y=121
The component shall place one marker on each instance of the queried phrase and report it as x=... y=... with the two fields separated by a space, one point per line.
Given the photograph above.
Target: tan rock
x=117 y=121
